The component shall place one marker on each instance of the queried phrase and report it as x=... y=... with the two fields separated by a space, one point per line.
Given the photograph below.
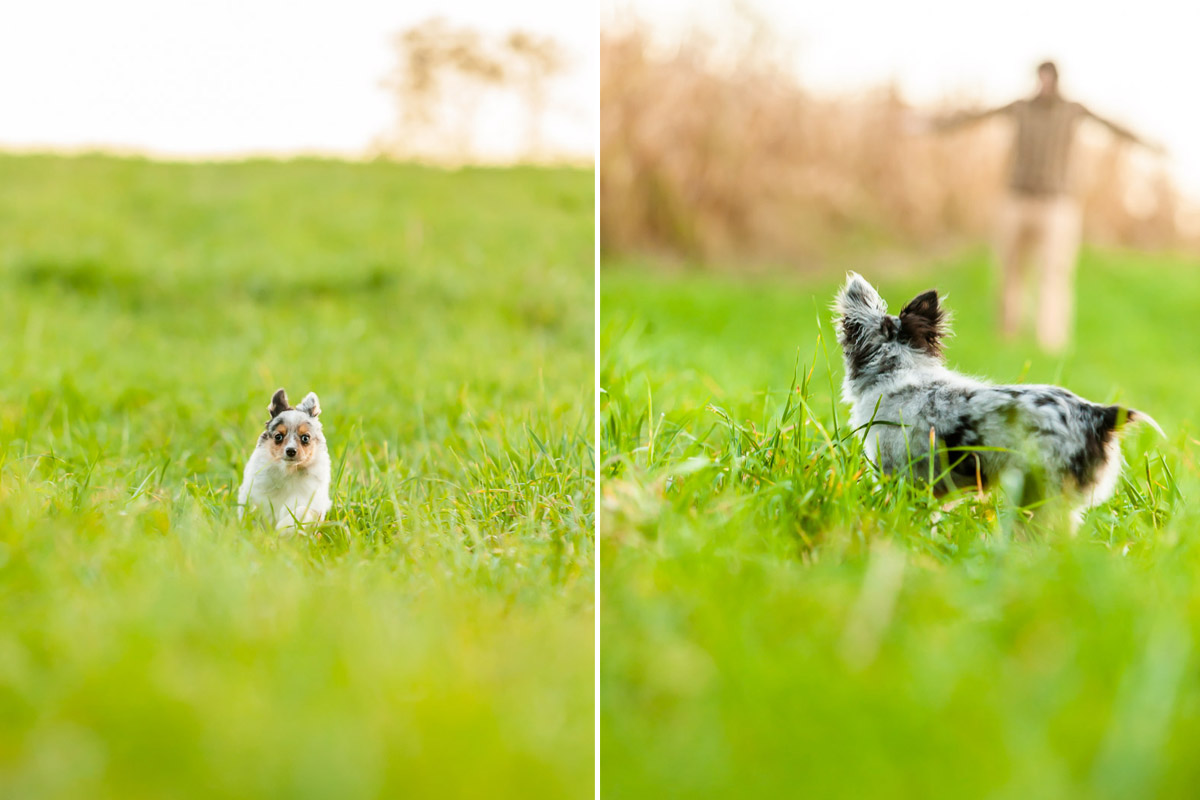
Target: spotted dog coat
x=287 y=476
x=900 y=391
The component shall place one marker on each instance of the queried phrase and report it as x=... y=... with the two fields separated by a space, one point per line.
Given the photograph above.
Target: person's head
x=1047 y=73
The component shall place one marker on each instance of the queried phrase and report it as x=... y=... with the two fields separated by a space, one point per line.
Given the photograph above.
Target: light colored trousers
x=1044 y=230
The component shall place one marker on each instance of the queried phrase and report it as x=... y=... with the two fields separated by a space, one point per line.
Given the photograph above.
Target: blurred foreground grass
x=436 y=638
x=778 y=621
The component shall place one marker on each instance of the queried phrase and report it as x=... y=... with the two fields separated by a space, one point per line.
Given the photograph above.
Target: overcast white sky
x=226 y=78
x=1135 y=62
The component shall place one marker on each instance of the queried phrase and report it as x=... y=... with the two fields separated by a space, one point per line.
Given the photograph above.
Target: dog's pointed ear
x=924 y=305
x=857 y=303
x=279 y=404
x=856 y=293
x=310 y=405
x=923 y=323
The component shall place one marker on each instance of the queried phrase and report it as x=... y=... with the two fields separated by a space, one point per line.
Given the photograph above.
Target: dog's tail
x=1123 y=415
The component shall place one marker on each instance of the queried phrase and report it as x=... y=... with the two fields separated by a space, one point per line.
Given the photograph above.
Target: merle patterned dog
x=287 y=476
x=905 y=404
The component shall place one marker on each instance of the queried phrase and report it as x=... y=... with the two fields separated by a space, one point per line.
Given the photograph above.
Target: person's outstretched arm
x=1121 y=132
x=964 y=118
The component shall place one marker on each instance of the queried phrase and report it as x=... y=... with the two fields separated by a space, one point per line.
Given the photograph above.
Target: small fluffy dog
x=905 y=404
x=287 y=476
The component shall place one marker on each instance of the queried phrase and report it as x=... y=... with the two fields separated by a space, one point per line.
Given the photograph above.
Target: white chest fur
x=287 y=494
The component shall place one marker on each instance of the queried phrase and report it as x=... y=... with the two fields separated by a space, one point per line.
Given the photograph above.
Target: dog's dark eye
x=304 y=439
x=278 y=438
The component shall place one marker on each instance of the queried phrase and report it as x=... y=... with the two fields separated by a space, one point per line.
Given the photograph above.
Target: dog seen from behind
x=914 y=414
x=287 y=476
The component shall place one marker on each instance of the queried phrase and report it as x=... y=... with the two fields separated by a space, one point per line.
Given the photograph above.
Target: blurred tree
x=444 y=73
x=534 y=61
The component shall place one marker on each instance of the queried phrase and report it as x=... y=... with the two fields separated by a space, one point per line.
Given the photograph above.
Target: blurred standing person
x=1039 y=213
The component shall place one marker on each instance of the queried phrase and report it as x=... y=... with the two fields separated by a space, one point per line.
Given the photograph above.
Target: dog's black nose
x=291 y=452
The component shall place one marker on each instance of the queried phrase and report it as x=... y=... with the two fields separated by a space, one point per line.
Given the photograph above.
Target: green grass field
x=776 y=621
x=436 y=637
